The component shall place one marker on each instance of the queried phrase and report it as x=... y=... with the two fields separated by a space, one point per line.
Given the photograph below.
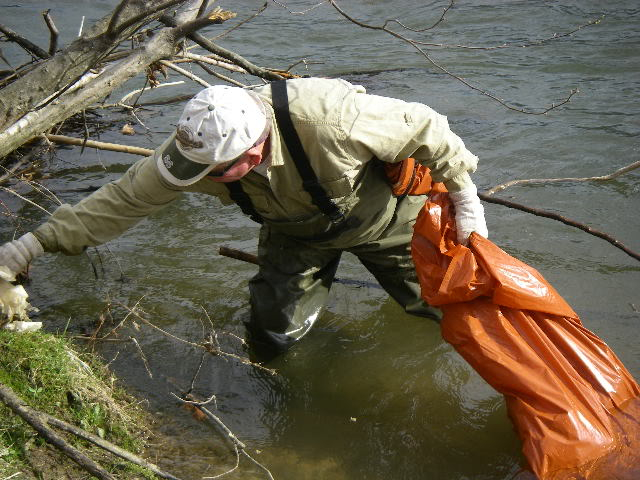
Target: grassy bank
x=47 y=373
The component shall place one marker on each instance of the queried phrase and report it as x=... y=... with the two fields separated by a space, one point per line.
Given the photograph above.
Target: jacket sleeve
x=109 y=211
x=393 y=130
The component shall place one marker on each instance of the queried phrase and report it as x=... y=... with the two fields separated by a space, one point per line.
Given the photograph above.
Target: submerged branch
x=238 y=445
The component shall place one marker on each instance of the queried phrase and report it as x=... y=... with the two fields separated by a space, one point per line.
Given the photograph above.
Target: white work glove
x=17 y=254
x=469 y=214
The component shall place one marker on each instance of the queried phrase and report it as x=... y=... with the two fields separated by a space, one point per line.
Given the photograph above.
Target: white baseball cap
x=217 y=125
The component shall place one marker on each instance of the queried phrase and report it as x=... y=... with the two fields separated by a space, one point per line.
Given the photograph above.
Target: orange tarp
x=574 y=405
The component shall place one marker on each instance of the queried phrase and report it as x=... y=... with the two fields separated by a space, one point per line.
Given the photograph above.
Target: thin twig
x=8 y=190
x=11 y=172
x=220 y=76
x=184 y=72
x=136 y=18
x=44 y=191
x=116 y=16
x=130 y=311
x=237 y=443
x=142 y=90
x=443 y=69
x=301 y=12
x=144 y=358
x=205 y=345
x=223 y=52
x=218 y=63
x=204 y=5
x=422 y=30
x=239 y=24
x=535 y=43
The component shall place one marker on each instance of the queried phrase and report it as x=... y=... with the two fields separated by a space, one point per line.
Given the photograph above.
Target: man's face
x=236 y=169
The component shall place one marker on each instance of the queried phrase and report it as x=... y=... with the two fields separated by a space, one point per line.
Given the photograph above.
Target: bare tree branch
x=53 y=32
x=186 y=73
x=560 y=218
x=29 y=46
x=611 y=176
x=33 y=418
x=246 y=20
x=301 y=12
x=224 y=53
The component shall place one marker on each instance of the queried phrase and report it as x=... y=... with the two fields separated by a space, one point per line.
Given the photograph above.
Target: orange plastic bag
x=408 y=177
x=574 y=405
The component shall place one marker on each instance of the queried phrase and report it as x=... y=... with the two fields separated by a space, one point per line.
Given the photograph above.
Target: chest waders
x=290 y=291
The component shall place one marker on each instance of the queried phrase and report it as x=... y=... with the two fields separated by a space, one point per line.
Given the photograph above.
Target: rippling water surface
x=371 y=393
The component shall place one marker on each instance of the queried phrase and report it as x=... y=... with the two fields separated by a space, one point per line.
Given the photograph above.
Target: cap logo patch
x=185 y=136
x=168 y=163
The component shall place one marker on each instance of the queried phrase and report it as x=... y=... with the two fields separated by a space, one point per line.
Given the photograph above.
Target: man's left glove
x=17 y=254
x=469 y=214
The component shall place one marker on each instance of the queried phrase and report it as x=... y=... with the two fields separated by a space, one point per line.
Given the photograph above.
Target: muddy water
x=371 y=393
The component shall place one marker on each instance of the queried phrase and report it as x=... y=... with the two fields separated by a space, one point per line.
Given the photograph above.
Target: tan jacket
x=342 y=129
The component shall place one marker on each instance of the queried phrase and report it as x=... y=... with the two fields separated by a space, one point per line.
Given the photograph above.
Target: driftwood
x=40 y=421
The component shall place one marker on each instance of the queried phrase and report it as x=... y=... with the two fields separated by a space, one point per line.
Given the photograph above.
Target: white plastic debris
x=13 y=303
x=20 y=326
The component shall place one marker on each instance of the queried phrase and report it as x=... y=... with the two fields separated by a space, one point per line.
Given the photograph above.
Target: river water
x=371 y=393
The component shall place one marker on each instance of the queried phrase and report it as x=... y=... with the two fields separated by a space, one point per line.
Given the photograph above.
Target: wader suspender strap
x=310 y=183
x=238 y=195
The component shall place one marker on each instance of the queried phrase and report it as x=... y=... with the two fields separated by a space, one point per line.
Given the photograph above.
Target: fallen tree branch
x=19 y=122
x=29 y=46
x=114 y=147
x=184 y=72
x=53 y=32
x=207 y=345
x=251 y=258
x=611 y=176
x=224 y=53
x=560 y=218
x=108 y=446
x=13 y=401
x=39 y=423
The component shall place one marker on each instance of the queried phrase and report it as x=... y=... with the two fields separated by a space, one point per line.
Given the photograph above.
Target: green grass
x=49 y=375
